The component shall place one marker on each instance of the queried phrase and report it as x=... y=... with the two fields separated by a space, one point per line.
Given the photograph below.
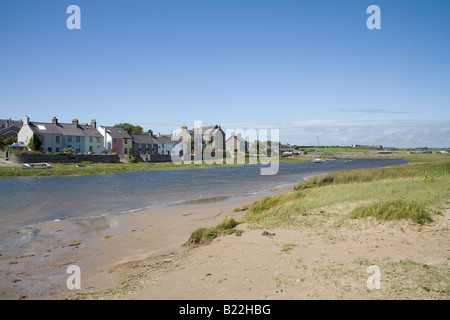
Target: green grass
x=425 y=167
x=206 y=235
x=394 y=209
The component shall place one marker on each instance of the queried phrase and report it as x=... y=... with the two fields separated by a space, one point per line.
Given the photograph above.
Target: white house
x=165 y=145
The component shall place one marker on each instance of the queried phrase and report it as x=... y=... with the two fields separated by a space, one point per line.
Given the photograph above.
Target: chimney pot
x=94 y=123
x=75 y=122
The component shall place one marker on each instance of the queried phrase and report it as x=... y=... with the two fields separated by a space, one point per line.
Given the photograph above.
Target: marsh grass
x=206 y=235
x=425 y=168
x=394 y=209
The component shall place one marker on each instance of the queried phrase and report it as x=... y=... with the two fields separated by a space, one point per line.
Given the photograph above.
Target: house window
x=98 y=140
x=115 y=140
x=91 y=139
x=125 y=140
x=69 y=138
x=91 y=149
x=49 y=149
x=57 y=139
x=78 y=150
x=78 y=138
x=41 y=137
x=57 y=149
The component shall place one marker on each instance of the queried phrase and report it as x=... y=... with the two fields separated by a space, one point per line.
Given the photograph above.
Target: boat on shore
x=318 y=160
x=40 y=165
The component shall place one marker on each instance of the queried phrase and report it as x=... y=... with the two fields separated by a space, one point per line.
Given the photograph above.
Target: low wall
x=71 y=158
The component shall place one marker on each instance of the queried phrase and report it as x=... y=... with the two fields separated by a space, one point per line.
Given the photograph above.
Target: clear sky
x=309 y=68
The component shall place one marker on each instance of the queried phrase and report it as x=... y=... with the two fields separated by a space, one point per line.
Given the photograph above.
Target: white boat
x=317 y=160
x=40 y=165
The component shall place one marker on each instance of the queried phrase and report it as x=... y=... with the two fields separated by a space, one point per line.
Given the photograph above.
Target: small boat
x=41 y=165
x=317 y=160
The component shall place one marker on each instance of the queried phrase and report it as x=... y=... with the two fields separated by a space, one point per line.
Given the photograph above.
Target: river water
x=28 y=201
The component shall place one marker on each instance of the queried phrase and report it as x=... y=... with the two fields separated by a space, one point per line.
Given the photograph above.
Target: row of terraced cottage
x=90 y=138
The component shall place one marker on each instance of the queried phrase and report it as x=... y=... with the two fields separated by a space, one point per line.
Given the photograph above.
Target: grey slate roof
x=166 y=141
x=7 y=123
x=65 y=129
x=143 y=139
x=119 y=133
x=238 y=138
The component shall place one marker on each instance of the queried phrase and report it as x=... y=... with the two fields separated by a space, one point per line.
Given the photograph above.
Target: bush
x=132 y=159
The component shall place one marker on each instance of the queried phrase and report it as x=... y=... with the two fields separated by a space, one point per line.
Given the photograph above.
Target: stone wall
x=71 y=158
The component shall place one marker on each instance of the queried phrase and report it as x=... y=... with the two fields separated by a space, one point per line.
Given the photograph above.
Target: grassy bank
x=399 y=192
x=412 y=192
x=70 y=169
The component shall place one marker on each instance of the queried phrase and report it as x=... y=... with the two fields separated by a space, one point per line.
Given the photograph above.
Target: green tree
x=131 y=129
x=35 y=143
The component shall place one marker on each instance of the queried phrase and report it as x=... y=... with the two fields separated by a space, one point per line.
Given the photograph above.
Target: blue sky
x=309 y=68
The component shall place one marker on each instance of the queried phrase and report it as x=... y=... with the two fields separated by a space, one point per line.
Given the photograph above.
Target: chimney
x=26 y=120
x=150 y=133
x=184 y=128
x=54 y=121
x=75 y=122
x=94 y=123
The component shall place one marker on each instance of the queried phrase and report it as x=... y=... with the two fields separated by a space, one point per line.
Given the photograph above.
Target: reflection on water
x=26 y=201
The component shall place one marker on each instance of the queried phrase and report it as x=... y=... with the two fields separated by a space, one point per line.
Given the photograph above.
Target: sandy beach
x=141 y=255
x=37 y=269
